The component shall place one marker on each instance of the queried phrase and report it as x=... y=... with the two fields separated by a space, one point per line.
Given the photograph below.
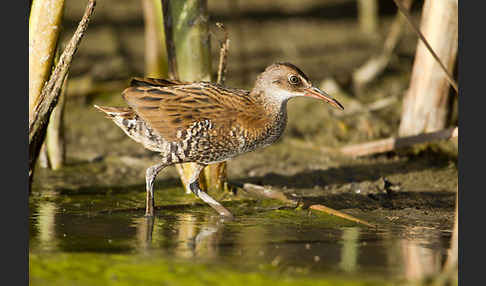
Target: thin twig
x=337 y=213
x=271 y=194
x=389 y=144
x=421 y=36
x=223 y=55
x=52 y=89
x=267 y=193
x=221 y=168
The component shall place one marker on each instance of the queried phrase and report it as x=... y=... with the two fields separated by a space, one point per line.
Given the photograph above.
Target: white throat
x=280 y=95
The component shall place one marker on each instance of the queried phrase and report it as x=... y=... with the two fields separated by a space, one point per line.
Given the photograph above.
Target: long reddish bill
x=317 y=93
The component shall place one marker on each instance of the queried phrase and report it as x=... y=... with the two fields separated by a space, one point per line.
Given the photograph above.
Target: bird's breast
x=267 y=134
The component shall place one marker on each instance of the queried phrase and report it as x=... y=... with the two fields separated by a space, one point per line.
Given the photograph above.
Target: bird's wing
x=148 y=81
x=172 y=108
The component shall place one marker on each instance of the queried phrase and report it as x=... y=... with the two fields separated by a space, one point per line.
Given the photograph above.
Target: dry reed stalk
x=337 y=213
x=425 y=105
x=368 y=16
x=53 y=150
x=54 y=141
x=223 y=55
x=44 y=29
x=155 y=49
x=51 y=91
x=394 y=143
x=451 y=9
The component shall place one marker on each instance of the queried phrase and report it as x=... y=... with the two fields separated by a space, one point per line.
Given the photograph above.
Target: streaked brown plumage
x=205 y=123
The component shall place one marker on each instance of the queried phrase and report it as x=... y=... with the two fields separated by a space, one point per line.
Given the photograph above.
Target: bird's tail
x=111 y=112
x=130 y=123
x=124 y=117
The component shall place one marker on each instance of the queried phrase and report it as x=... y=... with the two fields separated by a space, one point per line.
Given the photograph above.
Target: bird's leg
x=150 y=175
x=194 y=186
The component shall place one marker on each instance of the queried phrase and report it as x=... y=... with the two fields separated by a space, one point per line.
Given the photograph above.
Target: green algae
x=116 y=269
x=303 y=217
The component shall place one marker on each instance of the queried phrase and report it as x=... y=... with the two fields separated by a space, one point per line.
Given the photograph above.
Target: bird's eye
x=294 y=79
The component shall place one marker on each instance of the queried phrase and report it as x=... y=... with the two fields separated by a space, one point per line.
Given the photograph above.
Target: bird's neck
x=273 y=105
x=276 y=110
x=278 y=122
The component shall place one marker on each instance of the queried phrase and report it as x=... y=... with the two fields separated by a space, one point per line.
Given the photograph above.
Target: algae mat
x=109 y=269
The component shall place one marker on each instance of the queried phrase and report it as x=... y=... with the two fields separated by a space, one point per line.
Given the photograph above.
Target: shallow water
x=264 y=236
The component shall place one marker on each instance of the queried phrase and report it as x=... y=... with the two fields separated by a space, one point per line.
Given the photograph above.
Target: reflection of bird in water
x=205 y=233
x=205 y=123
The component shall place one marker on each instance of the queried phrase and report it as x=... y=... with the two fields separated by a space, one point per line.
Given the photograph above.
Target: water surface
x=103 y=232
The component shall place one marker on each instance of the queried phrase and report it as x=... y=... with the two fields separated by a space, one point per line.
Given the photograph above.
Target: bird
x=205 y=123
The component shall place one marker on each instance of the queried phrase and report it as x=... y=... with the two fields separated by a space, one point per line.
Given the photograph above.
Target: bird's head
x=282 y=81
